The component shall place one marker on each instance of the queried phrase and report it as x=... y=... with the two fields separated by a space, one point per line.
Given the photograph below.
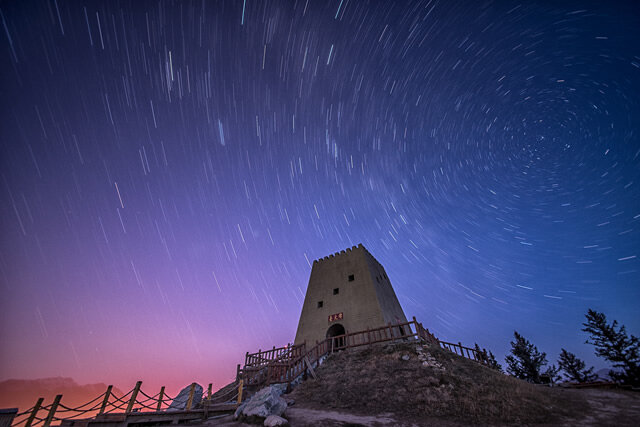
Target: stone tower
x=348 y=291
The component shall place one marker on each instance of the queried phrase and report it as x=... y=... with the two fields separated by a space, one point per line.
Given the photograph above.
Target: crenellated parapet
x=342 y=253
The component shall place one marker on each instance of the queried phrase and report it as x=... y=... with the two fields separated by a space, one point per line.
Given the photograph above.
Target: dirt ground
x=404 y=385
x=606 y=408
x=306 y=417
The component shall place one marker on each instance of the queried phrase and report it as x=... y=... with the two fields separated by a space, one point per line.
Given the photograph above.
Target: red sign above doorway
x=335 y=317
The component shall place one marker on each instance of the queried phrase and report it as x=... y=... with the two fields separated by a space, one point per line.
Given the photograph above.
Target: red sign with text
x=335 y=317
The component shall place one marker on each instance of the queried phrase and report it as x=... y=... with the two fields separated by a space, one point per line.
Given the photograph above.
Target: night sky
x=170 y=170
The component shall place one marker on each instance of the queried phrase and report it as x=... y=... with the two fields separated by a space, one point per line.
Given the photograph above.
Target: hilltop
x=393 y=382
x=407 y=384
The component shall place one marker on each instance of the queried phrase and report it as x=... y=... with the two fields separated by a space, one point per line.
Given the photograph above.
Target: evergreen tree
x=525 y=361
x=491 y=359
x=552 y=375
x=574 y=368
x=613 y=344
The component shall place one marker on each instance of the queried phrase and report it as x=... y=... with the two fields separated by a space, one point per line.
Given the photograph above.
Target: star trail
x=171 y=169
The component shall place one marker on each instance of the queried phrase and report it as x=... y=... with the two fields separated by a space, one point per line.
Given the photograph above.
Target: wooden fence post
x=415 y=324
x=105 y=401
x=52 y=411
x=36 y=408
x=160 y=397
x=134 y=396
x=190 y=399
x=209 y=391
x=240 y=391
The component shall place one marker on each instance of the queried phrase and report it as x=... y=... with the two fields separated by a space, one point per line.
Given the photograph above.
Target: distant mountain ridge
x=22 y=394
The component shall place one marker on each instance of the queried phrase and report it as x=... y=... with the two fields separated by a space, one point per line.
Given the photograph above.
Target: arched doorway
x=336 y=335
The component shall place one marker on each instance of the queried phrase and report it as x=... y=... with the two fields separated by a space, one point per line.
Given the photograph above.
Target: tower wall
x=391 y=309
x=368 y=301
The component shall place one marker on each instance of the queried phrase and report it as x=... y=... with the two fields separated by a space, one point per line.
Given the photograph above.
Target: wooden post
x=160 y=399
x=105 y=401
x=209 y=391
x=134 y=396
x=238 y=372
x=36 y=408
x=52 y=411
x=190 y=399
x=415 y=324
x=240 y=391
x=313 y=373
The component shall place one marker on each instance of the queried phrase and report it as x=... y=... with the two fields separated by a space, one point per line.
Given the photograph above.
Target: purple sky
x=171 y=170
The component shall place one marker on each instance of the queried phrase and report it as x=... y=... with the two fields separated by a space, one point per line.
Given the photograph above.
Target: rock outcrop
x=180 y=402
x=264 y=403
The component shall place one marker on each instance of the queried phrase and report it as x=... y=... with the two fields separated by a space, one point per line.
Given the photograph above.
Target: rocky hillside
x=416 y=384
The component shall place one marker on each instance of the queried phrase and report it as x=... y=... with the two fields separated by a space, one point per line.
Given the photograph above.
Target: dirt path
x=608 y=407
x=313 y=417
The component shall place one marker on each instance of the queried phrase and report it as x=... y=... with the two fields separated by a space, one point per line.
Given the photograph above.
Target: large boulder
x=264 y=403
x=180 y=402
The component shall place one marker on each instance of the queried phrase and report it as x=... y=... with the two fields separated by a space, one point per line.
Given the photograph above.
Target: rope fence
x=134 y=401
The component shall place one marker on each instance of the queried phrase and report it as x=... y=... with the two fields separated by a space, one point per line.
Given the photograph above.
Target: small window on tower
x=351 y=278
x=336 y=291
x=319 y=304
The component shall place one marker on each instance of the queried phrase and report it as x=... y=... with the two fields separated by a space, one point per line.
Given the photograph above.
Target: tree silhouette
x=491 y=359
x=574 y=368
x=613 y=344
x=525 y=361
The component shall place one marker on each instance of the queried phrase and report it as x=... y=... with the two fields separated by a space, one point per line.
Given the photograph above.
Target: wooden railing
x=262 y=358
x=285 y=364
x=134 y=402
x=468 y=352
